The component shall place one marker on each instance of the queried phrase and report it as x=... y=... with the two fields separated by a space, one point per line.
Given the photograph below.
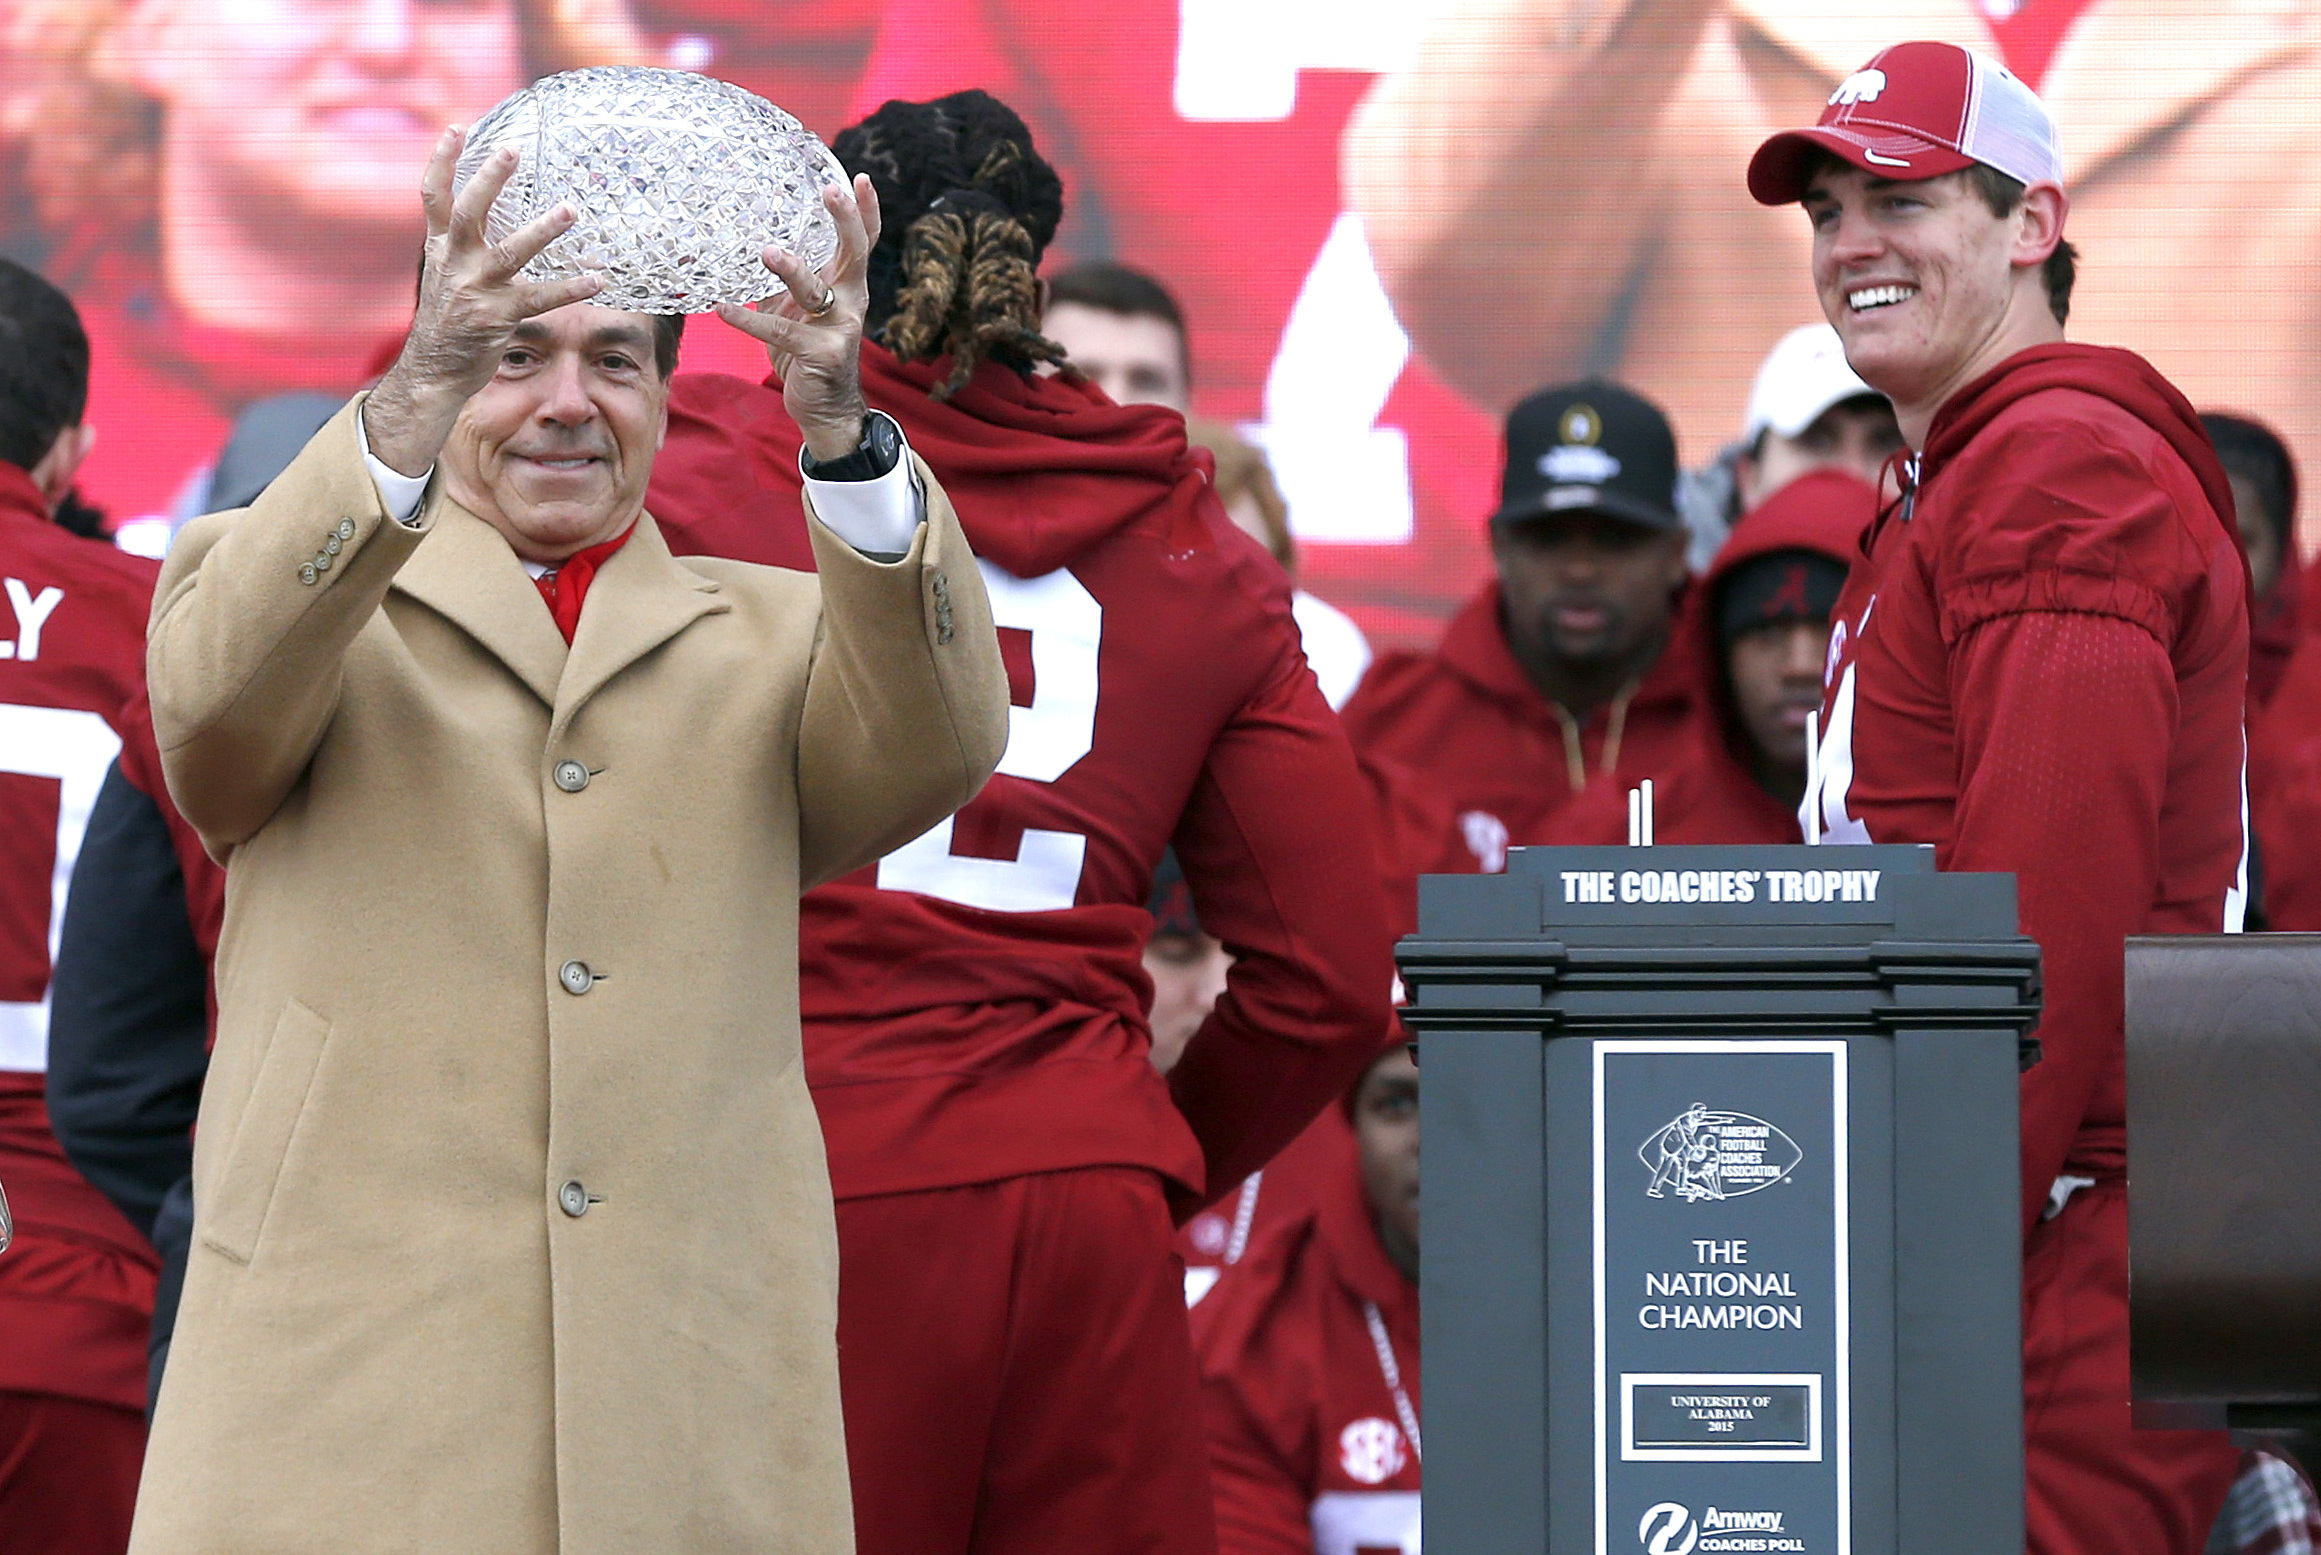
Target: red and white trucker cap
x=1918 y=110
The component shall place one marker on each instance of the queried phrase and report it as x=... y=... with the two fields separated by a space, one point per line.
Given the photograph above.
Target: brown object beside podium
x=2224 y=1179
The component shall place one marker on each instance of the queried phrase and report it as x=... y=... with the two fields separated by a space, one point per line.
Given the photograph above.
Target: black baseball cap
x=1590 y=447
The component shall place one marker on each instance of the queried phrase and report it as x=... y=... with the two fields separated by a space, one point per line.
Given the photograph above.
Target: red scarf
x=565 y=586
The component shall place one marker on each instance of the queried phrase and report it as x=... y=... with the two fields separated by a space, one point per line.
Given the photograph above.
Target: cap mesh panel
x=2010 y=128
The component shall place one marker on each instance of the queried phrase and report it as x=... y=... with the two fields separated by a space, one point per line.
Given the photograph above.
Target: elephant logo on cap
x=1863 y=86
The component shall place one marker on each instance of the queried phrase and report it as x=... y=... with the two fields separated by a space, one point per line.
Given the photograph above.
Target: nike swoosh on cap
x=1885 y=161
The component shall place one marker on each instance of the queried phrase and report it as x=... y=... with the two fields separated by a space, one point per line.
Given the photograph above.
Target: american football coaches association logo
x=1706 y=1154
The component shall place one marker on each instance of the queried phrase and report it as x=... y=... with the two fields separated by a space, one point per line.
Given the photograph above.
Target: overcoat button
x=571 y=776
x=572 y=1198
x=346 y=529
x=322 y=562
x=307 y=574
x=575 y=977
x=333 y=545
x=942 y=586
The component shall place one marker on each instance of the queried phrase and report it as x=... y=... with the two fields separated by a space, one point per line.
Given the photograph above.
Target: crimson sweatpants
x=1017 y=1372
x=2098 y=1486
x=68 y=1475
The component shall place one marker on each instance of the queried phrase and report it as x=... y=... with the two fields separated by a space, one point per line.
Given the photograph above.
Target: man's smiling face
x=1916 y=277
x=555 y=451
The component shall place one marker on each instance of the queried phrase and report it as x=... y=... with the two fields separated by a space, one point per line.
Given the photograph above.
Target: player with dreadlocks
x=1006 y=1157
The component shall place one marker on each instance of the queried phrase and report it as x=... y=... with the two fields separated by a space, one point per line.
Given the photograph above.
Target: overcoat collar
x=640 y=599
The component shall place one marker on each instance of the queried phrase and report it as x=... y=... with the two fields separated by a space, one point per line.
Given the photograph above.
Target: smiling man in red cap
x=2038 y=670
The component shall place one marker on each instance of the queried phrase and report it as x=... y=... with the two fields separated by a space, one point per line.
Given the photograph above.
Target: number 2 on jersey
x=1044 y=741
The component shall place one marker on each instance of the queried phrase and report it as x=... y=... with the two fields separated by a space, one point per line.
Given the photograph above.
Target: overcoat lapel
x=465 y=572
x=640 y=598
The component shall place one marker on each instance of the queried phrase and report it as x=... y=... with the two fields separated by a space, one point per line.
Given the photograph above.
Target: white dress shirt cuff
x=878 y=517
x=401 y=494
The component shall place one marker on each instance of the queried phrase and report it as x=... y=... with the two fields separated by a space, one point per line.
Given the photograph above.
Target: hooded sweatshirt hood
x=2122 y=377
x=2277 y=622
x=1039 y=469
x=1823 y=511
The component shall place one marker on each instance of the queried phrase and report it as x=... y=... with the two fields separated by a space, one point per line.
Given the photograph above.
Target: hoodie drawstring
x=1575 y=758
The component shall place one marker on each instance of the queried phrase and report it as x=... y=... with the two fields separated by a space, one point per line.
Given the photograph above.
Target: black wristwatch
x=881 y=451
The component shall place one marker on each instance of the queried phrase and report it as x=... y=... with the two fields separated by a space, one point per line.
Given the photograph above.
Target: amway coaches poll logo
x=1705 y=1154
x=1671 y=1529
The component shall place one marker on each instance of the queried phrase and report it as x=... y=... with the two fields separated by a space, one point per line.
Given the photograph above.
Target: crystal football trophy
x=680 y=182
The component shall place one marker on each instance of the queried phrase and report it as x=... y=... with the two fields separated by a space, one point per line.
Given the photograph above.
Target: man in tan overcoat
x=512 y=1230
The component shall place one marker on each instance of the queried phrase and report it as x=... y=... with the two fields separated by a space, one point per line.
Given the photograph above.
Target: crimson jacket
x=974 y=1003
x=2281 y=621
x=76 y=1289
x=2284 y=789
x=1292 y=1183
x=1498 y=759
x=2039 y=669
x=2277 y=628
x=1711 y=794
x=1308 y=1452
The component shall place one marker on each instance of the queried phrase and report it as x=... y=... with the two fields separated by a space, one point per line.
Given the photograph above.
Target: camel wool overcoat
x=512 y=1230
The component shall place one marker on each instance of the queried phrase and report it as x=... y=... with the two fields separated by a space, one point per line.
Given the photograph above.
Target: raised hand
x=813 y=335
x=471 y=298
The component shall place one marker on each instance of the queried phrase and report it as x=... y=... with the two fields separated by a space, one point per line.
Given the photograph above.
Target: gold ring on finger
x=829 y=300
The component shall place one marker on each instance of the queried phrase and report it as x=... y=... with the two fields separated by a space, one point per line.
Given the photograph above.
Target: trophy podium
x=1722 y=1249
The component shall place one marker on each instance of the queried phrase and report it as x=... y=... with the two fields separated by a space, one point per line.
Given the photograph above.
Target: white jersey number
x=75 y=748
x=1044 y=741
x=1834 y=774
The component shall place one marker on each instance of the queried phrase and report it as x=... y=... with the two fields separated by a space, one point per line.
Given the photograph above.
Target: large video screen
x=1386 y=222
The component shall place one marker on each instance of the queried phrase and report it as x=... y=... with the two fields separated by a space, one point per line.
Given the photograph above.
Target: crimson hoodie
x=2284 y=786
x=1711 y=795
x=76 y=1288
x=2284 y=770
x=2281 y=622
x=2039 y=669
x=2277 y=629
x=1308 y=1449
x=1496 y=760
x=975 y=1002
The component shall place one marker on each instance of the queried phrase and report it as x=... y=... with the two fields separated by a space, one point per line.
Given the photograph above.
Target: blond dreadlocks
x=970 y=207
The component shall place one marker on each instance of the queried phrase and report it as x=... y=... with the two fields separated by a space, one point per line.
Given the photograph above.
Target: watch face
x=882 y=446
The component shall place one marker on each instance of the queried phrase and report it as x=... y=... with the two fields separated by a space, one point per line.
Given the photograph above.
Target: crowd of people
x=1063 y=1194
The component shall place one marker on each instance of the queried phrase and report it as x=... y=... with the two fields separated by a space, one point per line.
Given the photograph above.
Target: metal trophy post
x=1721 y=1204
